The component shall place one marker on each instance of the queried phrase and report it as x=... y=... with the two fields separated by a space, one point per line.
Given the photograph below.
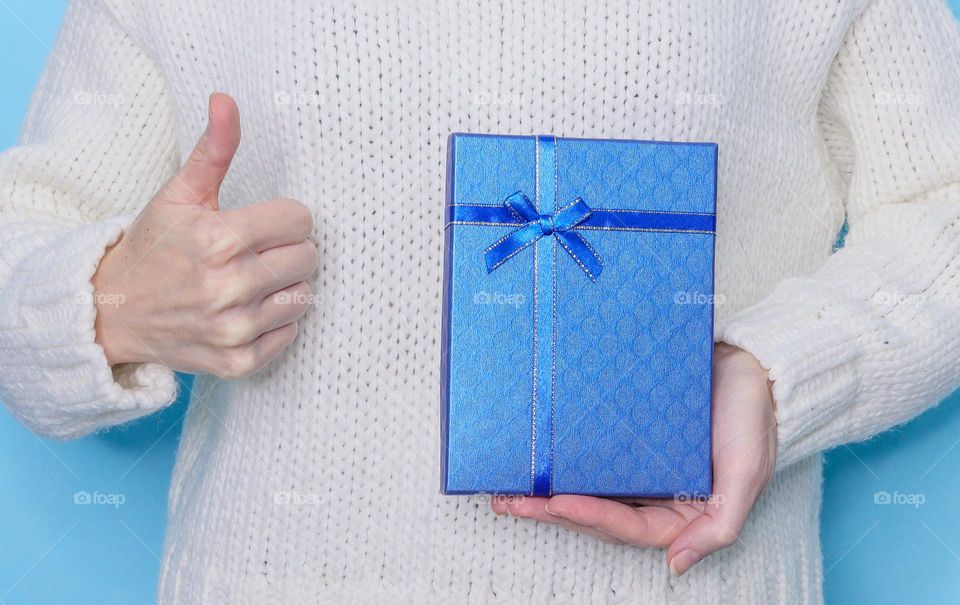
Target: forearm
x=66 y=195
x=867 y=341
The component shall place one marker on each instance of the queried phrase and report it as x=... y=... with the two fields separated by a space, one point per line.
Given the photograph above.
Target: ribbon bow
x=560 y=225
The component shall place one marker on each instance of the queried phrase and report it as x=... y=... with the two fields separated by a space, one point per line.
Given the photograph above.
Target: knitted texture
x=316 y=480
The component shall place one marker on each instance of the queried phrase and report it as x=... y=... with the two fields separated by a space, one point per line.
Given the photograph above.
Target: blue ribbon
x=559 y=224
x=565 y=224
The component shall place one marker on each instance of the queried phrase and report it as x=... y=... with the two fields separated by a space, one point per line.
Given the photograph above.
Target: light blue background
x=55 y=551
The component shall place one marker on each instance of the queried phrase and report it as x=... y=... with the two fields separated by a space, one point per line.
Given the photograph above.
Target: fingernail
x=682 y=562
x=546 y=507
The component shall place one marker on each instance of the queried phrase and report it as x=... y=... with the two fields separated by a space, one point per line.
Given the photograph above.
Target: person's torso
x=323 y=468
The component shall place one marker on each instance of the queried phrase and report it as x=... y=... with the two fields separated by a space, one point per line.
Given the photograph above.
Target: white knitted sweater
x=317 y=479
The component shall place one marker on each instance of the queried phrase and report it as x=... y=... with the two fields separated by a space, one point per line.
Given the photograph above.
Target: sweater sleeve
x=98 y=142
x=871 y=338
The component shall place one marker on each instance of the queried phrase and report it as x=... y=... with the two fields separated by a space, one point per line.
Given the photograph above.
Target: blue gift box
x=578 y=316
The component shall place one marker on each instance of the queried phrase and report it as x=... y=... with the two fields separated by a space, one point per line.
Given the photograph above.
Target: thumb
x=200 y=177
x=723 y=518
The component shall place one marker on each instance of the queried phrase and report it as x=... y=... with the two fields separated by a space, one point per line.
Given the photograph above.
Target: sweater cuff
x=809 y=348
x=57 y=378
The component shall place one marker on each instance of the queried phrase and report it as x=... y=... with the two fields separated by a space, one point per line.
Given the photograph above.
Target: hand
x=744 y=452
x=199 y=289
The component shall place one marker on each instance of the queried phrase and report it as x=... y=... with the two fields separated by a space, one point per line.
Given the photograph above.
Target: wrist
x=751 y=361
x=109 y=301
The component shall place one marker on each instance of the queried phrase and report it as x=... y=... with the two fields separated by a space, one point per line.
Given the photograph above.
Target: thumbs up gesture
x=200 y=289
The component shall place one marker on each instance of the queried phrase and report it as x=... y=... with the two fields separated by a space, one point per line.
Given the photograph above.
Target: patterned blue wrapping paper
x=578 y=316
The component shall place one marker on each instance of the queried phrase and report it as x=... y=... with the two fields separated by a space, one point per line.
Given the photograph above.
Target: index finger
x=270 y=224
